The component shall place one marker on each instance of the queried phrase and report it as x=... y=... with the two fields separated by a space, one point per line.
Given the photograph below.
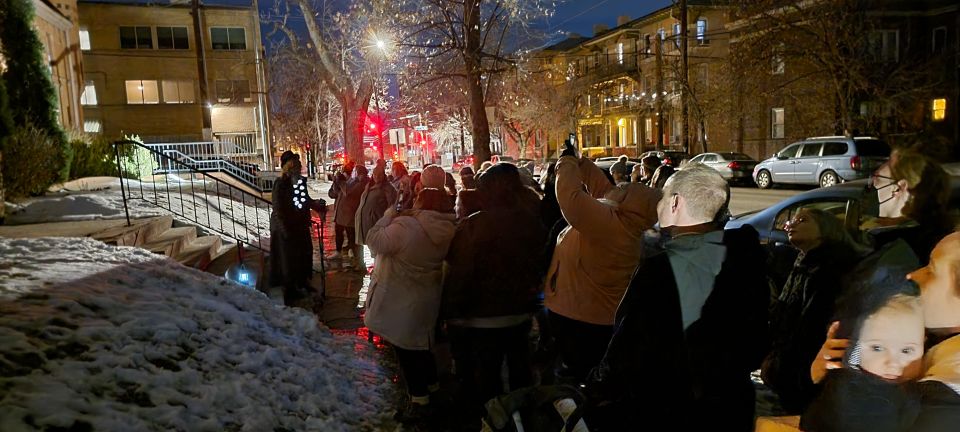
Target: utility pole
x=202 y=72
x=684 y=76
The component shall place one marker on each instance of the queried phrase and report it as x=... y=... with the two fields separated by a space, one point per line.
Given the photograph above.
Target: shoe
x=414 y=413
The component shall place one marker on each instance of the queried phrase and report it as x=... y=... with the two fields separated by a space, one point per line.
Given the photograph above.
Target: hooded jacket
x=405 y=289
x=596 y=255
x=374 y=201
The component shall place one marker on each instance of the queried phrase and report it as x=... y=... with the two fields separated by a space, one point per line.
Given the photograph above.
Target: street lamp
x=383 y=45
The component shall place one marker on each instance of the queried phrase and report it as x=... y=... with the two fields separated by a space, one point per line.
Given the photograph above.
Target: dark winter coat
x=291 y=248
x=696 y=377
x=347 y=193
x=799 y=319
x=494 y=265
x=921 y=239
x=373 y=203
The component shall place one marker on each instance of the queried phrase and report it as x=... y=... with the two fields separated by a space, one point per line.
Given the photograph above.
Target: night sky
x=579 y=16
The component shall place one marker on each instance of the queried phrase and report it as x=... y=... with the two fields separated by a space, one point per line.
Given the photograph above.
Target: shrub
x=93 y=155
x=30 y=162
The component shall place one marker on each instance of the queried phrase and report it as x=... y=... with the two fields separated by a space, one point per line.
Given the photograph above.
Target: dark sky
x=579 y=16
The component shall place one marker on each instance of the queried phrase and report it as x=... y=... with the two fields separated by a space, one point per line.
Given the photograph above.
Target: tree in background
x=31 y=95
x=469 y=42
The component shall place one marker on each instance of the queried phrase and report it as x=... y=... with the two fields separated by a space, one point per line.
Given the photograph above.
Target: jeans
x=479 y=354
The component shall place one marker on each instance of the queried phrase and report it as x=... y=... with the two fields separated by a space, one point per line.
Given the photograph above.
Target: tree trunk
x=479 y=126
x=352 y=133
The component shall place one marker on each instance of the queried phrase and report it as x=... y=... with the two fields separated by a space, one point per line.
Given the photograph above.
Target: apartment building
x=141 y=74
x=55 y=22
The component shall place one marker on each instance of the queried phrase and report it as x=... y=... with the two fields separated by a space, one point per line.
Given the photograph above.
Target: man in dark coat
x=692 y=324
x=291 y=248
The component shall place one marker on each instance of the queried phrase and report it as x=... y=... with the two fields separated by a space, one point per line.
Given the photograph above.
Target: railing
x=177 y=162
x=193 y=195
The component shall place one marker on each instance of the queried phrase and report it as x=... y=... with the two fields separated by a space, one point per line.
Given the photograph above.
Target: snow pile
x=96 y=337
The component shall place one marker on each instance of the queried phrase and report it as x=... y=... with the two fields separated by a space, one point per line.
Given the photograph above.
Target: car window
x=810 y=150
x=834 y=148
x=789 y=152
x=837 y=208
x=871 y=147
x=710 y=158
x=697 y=159
x=735 y=156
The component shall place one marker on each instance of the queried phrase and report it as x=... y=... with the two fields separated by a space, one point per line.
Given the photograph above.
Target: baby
x=890 y=345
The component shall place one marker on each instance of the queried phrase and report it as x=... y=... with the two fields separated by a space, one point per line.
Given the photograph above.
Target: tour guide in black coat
x=692 y=324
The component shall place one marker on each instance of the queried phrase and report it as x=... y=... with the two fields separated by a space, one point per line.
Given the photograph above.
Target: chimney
x=599 y=28
x=622 y=19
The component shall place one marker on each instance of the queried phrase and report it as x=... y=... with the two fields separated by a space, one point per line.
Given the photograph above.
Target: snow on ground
x=97 y=337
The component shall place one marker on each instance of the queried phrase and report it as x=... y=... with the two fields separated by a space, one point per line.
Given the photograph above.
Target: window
x=710 y=158
x=89 y=95
x=228 y=38
x=777 y=63
x=834 y=149
x=883 y=47
x=702 y=32
x=939 y=109
x=92 y=126
x=85 y=40
x=142 y=92
x=776 y=123
x=939 y=39
x=136 y=38
x=676 y=34
x=235 y=91
x=789 y=152
x=648 y=129
x=663 y=34
x=172 y=38
x=178 y=91
x=620 y=52
x=646 y=44
x=697 y=159
x=811 y=150
x=837 y=208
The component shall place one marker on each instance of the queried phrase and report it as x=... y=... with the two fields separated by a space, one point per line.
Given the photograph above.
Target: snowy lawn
x=97 y=337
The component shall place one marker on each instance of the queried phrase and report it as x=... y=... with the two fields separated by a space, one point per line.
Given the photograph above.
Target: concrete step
x=172 y=241
x=139 y=233
x=199 y=252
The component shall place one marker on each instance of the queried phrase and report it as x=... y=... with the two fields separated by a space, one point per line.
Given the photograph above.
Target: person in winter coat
x=403 y=184
x=490 y=287
x=467 y=180
x=376 y=198
x=291 y=248
x=801 y=314
x=406 y=288
x=939 y=385
x=692 y=324
x=348 y=196
x=593 y=259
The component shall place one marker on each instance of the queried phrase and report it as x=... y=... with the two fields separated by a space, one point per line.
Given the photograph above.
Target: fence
x=214 y=156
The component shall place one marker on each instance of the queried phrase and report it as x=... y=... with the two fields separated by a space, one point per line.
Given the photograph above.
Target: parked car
x=669 y=157
x=605 y=164
x=823 y=161
x=467 y=161
x=852 y=202
x=733 y=167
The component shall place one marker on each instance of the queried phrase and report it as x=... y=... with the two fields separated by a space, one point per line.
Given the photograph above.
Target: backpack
x=557 y=408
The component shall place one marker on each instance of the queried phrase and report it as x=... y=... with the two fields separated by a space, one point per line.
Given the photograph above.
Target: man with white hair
x=692 y=324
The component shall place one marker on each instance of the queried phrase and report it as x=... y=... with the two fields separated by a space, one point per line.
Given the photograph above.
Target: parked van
x=823 y=161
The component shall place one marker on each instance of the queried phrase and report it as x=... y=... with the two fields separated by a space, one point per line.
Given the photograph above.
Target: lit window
x=776 y=123
x=89 y=96
x=138 y=37
x=178 y=91
x=92 y=126
x=620 y=52
x=85 y=40
x=939 y=109
x=142 y=92
x=228 y=38
x=235 y=91
x=702 y=31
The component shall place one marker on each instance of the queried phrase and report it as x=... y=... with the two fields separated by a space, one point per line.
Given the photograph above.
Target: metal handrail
x=211 y=165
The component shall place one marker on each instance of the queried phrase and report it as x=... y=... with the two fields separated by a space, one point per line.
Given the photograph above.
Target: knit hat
x=433 y=177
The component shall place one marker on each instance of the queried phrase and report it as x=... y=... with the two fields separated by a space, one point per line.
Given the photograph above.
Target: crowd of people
x=647 y=306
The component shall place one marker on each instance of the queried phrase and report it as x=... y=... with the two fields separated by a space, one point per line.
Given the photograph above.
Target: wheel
x=763 y=180
x=828 y=178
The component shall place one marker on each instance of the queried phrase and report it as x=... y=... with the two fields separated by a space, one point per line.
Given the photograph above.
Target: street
x=745 y=199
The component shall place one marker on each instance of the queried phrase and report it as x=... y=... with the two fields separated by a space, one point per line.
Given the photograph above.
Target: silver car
x=732 y=166
x=823 y=161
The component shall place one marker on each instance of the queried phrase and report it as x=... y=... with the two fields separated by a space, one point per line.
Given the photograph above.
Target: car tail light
x=667 y=161
x=855 y=163
x=734 y=165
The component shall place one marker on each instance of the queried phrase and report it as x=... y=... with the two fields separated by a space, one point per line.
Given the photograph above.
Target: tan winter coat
x=404 y=299
x=597 y=254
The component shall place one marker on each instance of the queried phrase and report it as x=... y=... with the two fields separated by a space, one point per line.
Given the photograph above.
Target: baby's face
x=891 y=345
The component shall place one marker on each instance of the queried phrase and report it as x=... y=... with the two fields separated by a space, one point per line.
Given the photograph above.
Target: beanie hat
x=433 y=177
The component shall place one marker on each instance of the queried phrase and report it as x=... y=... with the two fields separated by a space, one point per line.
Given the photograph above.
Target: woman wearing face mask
x=913 y=191
x=802 y=312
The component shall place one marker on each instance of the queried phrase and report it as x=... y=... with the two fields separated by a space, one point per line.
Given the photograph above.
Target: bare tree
x=467 y=41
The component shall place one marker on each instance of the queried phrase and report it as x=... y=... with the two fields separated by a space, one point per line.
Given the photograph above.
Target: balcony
x=605 y=68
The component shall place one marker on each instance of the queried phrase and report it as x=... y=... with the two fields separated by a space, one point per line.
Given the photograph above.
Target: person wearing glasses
x=801 y=313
